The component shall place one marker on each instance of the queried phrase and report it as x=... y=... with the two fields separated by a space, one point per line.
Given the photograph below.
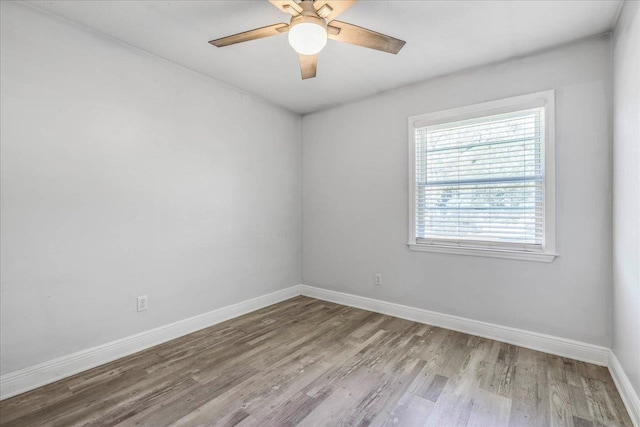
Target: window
x=482 y=179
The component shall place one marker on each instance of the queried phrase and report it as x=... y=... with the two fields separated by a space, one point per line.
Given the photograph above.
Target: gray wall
x=626 y=192
x=124 y=175
x=354 y=161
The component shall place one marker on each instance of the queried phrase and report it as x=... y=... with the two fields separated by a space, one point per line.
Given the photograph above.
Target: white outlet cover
x=142 y=303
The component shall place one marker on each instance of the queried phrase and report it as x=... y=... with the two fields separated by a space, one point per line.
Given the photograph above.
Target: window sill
x=483 y=252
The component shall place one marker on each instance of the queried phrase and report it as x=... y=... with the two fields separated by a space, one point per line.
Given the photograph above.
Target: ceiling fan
x=312 y=23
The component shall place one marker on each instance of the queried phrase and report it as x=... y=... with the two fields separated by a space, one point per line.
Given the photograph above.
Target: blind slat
x=501 y=179
x=496 y=141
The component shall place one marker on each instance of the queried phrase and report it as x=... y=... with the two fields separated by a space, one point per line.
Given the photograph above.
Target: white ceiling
x=442 y=37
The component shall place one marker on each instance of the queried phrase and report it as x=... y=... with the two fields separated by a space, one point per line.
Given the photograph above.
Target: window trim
x=534 y=100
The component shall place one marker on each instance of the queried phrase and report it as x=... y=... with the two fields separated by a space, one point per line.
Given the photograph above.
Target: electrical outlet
x=378 y=279
x=142 y=303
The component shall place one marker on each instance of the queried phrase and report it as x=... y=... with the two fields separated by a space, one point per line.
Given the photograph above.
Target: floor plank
x=313 y=363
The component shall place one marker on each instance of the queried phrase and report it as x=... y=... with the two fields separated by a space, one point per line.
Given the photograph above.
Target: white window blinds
x=481 y=181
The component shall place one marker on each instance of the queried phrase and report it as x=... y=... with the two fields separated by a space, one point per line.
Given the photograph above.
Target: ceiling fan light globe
x=307 y=38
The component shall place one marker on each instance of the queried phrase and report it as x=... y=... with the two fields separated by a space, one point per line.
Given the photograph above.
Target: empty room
x=320 y=213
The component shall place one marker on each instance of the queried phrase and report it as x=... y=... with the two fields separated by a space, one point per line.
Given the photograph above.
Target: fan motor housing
x=308 y=15
x=308 y=19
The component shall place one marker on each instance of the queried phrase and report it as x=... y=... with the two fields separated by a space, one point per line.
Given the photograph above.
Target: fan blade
x=335 y=7
x=258 y=33
x=287 y=6
x=359 y=36
x=308 y=65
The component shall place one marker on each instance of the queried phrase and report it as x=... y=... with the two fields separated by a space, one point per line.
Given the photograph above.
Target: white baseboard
x=628 y=394
x=32 y=377
x=549 y=344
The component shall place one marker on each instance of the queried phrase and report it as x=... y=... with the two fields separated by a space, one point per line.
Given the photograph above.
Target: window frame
x=544 y=99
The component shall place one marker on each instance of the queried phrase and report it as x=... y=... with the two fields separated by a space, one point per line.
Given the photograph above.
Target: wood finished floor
x=308 y=362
